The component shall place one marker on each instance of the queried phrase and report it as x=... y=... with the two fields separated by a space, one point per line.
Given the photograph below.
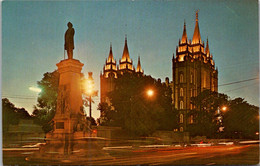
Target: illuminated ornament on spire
x=126 y=63
x=207 y=49
x=184 y=35
x=139 y=68
x=196 y=35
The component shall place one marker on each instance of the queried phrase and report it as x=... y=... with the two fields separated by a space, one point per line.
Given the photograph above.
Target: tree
x=49 y=91
x=133 y=110
x=205 y=122
x=241 y=120
x=45 y=109
x=107 y=114
x=11 y=114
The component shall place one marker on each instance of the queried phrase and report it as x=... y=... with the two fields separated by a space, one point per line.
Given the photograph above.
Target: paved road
x=214 y=155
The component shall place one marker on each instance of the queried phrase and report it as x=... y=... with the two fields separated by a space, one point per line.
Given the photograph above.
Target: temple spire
x=125 y=56
x=207 y=49
x=196 y=35
x=139 y=68
x=126 y=62
x=184 y=35
x=110 y=56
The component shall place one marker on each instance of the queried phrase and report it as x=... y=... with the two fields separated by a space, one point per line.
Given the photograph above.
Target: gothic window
x=191 y=119
x=181 y=129
x=181 y=104
x=181 y=78
x=191 y=92
x=191 y=106
x=181 y=118
x=191 y=78
x=213 y=88
x=181 y=92
x=204 y=79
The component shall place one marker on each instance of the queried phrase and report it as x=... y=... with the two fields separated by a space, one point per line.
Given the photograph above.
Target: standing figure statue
x=69 y=41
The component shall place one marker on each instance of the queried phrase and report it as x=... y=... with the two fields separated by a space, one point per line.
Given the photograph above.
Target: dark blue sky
x=33 y=38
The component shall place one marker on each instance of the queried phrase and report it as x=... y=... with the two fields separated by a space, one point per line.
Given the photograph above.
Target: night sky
x=33 y=40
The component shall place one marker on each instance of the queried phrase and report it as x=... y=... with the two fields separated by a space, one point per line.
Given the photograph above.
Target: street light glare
x=224 y=108
x=89 y=91
x=89 y=86
x=150 y=92
x=34 y=89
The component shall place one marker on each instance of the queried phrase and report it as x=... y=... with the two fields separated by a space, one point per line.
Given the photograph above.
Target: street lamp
x=34 y=89
x=146 y=93
x=90 y=89
x=150 y=92
x=220 y=117
x=224 y=108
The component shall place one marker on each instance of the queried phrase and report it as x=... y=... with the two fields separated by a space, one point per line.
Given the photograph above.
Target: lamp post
x=89 y=88
x=220 y=112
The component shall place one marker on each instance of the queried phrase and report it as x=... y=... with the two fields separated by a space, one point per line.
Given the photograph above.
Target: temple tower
x=193 y=71
x=108 y=77
x=111 y=71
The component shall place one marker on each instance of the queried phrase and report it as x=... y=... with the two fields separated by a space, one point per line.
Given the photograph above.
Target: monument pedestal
x=71 y=138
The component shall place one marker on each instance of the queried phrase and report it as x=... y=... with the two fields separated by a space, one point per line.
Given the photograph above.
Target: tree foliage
x=240 y=120
x=45 y=109
x=11 y=114
x=207 y=103
x=133 y=110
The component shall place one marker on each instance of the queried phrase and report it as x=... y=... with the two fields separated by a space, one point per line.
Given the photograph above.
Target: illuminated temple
x=193 y=70
x=111 y=70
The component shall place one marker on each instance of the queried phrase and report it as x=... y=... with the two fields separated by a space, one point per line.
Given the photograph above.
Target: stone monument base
x=74 y=148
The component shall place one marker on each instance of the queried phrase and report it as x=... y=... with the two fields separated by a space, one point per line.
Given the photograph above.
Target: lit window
x=181 y=129
x=191 y=106
x=181 y=118
x=181 y=78
x=191 y=94
x=181 y=104
x=191 y=78
x=181 y=92
x=191 y=119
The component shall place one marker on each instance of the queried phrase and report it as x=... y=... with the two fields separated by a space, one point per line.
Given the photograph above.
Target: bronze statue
x=69 y=41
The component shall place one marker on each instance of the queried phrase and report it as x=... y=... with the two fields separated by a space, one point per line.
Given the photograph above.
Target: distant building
x=193 y=70
x=111 y=71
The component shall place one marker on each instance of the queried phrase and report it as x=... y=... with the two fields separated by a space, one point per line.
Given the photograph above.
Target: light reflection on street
x=132 y=155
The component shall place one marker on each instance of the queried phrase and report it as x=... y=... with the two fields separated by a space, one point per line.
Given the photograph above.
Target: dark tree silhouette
x=134 y=111
x=11 y=114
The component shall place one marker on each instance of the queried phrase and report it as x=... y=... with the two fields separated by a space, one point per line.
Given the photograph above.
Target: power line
x=241 y=87
x=19 y=97
x=236 y=82
x=235 y=65
x=25 y=97
x=230 y=83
